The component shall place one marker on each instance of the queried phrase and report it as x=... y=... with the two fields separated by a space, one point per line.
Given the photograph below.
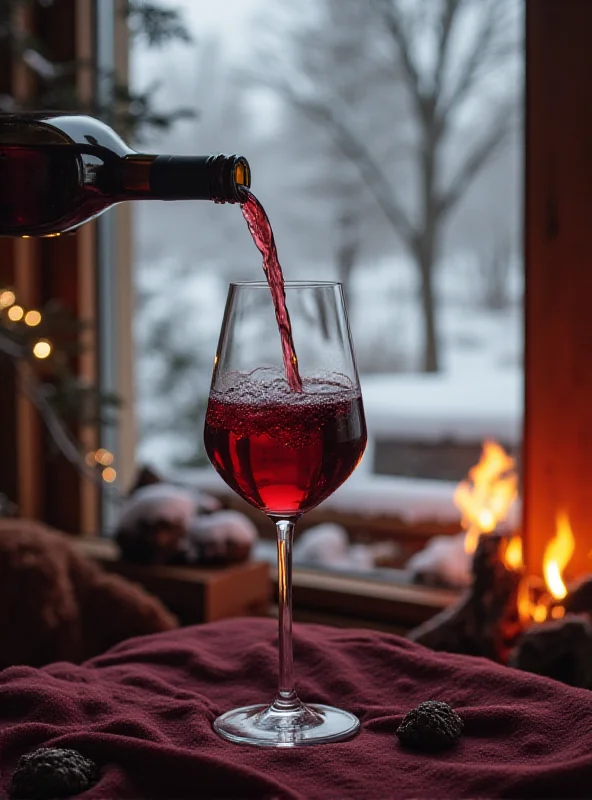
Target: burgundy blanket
x=144 y=713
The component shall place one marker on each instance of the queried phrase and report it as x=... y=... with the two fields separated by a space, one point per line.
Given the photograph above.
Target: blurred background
x=385 y=144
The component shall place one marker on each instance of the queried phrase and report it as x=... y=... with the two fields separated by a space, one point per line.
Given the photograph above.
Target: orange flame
x=485 y=498
x=556 y=557
x=513 y=555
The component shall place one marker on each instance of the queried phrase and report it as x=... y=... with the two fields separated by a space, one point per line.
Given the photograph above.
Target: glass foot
x=272 y=726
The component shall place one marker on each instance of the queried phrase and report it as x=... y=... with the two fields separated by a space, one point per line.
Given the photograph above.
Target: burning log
x=579 y=596
x=559 y=649
x=485 y=621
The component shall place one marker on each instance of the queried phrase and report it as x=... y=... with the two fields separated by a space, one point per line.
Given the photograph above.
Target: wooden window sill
x=201 y=595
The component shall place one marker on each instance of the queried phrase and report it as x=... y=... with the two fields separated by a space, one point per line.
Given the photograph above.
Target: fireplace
x=535 y=620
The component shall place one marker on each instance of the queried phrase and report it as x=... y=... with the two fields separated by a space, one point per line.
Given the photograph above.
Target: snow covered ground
x=409 y=499
x=477 y=396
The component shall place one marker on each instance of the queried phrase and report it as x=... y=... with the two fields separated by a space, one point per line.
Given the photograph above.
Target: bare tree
x=348 y=244
x=337 y=185
x=328 y=56
x=458 y=119
x=494 y=267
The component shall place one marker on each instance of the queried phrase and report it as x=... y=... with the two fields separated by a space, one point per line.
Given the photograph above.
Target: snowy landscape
x=186 y=253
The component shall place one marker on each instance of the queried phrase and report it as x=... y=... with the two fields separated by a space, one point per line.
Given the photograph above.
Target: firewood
x=485 y=621
x=579 y=596
x=559 y=649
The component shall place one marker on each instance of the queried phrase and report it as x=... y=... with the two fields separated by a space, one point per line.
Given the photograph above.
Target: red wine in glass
x=285 y=452
x=284 y=449
x=284 y=436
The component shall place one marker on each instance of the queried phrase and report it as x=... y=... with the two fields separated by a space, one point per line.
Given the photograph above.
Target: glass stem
x=287 y=698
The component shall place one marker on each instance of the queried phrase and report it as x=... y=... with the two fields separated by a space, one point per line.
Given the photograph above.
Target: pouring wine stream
x=262 y=233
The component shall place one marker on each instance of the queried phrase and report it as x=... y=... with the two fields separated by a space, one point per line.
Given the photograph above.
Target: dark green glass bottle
x=59 y=171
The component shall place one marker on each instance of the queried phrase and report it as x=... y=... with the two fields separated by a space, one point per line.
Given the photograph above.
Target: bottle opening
x=242 y=173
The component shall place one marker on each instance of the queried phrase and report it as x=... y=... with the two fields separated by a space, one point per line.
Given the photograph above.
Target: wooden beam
x=558 y=241
x=86 y=258
x=61 y=270
x=25 y=255
x=126 y=444
x=8 y=435
x=29 y=430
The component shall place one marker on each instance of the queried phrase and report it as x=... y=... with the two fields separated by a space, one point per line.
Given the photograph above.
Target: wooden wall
x=44 y=487
x=558 y=240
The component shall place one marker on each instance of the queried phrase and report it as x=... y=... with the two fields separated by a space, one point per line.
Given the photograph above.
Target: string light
x=32 y=318
x=7 y=298
x=109 y=474
x=42 y=349
x=16 y=313
x=104 y=457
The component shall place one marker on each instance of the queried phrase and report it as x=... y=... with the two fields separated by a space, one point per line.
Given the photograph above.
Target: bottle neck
x=219 y=178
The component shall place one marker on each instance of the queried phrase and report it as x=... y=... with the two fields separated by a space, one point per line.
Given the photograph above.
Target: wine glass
x=284 y=451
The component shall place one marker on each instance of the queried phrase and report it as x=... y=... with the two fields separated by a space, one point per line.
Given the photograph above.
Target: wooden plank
x=123 y=215
x=9 y=484
x=198 y=595
x=194 y=594
x=87 y=367
x=8 y=448
x=63 y=506
x=86 y=262
x=29 y=428
x=558 y=240
x=397 y=604
x=126 y=419
x=27 y=424
x=68 y=276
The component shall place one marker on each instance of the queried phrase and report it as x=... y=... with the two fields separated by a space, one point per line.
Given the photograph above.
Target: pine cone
x=431 y=726
x=52 y=772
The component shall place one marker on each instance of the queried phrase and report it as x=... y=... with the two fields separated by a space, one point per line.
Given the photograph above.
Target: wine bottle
x=59 y=171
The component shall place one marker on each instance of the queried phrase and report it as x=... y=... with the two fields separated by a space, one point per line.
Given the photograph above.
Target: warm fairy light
x=16 y=313
x=485 y=498
x=32 y=318
x=557 y=556
x=109 y=474
x=42 y=349
x=104 y=457
x=557 y=612
x=7 y=298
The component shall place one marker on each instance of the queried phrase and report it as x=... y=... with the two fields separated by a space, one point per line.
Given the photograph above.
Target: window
x=385 y=143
